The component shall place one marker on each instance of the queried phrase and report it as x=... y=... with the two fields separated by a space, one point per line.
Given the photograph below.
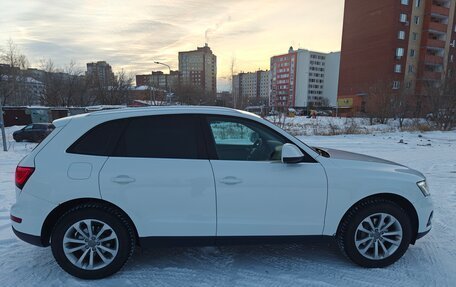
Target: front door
x=257 y=194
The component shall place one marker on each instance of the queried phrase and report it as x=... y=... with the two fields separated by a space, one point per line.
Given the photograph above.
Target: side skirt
x=191 y=241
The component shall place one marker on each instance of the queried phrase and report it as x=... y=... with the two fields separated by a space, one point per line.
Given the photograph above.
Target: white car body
x=207 y=198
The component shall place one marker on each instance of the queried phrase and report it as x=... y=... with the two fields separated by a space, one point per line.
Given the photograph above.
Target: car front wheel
x=92 y=241
x=375 y=233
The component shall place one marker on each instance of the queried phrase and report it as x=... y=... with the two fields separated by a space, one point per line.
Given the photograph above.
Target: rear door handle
x=230 y=180
x=123 y=179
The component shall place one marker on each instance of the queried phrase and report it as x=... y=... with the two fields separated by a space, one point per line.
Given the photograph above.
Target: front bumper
x=422 y=234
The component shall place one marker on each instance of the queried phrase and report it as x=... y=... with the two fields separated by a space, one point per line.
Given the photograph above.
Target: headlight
x=423 y=187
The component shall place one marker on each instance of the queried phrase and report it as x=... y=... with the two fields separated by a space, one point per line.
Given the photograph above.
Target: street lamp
x=163 y=64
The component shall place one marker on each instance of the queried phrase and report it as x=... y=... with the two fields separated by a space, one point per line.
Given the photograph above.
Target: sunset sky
x=132 y=34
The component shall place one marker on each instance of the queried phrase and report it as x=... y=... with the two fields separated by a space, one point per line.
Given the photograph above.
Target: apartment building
x=303 y=78
x=100 y=73
x=159 y=80
x=198 y=68
x=251 y=88
x=406 y=45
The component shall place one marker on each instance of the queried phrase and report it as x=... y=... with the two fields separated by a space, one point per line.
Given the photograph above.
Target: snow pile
x=334 y=126
x=431 y=262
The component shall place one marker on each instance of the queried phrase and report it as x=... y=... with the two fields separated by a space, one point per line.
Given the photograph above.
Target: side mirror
x=291 y=154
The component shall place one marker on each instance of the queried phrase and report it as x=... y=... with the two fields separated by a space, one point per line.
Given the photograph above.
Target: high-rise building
x=405 y=45
x=303 y=78
x=100 y=73
x=198 y=68
x=251 y=88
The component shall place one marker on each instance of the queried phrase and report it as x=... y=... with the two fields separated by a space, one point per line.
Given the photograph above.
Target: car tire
x=375 y=233
x=93 y=254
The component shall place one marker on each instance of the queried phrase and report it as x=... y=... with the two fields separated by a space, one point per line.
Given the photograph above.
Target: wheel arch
x=400 y=200
x=56 y=213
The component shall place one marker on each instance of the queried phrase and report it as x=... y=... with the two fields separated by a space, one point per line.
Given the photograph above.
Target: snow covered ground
x=431 y=262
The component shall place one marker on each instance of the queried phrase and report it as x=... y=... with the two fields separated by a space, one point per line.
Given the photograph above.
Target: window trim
x=210 y=141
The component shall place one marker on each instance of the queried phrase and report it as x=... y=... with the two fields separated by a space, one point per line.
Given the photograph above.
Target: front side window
x=243 y=140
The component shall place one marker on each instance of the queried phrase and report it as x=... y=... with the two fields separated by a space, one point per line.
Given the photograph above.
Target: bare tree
x=193 y=95
x=402 y=105
x=440 y=98
x=11 y=81
x=53 y=83
x=118 y=92
x=380 y=99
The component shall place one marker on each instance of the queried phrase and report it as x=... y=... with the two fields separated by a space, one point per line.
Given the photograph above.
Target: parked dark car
x=33 y=132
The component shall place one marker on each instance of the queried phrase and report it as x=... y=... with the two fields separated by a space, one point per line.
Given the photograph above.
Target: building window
x=399 y=52
x=401 y=35
x=397 y=68
x=404 y=2
x=410 y=68
x=414 y=36
x=409 y=85
x=403 y=18
x=416 y=19
x=412 y=53
x=417 y=3
x=396 y=85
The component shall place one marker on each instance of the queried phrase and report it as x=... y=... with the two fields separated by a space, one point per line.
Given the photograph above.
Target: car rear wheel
x=92 y=241
x=375 y=233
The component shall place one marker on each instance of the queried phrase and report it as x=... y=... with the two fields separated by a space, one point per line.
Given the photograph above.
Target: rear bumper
x=32 y=239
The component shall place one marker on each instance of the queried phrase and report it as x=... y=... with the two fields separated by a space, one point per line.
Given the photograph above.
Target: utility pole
x=2 y=126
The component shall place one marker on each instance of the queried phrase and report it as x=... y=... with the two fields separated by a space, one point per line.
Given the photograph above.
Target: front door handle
x=123 y=179
x=230 y=180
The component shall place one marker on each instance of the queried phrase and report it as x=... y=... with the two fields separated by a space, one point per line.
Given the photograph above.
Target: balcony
x=434 y=60
x=432 y=76
x=435 y=43
x=438 y=27
x=441 y=10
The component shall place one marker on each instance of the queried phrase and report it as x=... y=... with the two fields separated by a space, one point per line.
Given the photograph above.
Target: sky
x=132 y=34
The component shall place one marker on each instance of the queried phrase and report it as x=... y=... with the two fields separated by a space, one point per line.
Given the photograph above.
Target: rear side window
x=169 y=136
x=101 y=140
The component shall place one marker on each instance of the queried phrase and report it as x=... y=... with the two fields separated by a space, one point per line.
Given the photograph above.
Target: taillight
x=22 y=175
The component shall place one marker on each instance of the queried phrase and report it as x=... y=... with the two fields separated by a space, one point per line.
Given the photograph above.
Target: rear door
x=161 y=177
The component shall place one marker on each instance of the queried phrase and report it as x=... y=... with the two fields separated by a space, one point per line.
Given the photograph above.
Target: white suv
x=102 y=183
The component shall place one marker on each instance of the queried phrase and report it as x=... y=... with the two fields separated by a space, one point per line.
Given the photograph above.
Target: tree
x=53 y=84
x=440 y=98
x=380 y=99
x=402 y=105
x=11 y=77
x=118 y=92
x=193 y=95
